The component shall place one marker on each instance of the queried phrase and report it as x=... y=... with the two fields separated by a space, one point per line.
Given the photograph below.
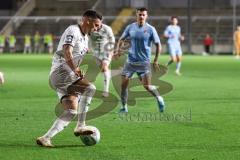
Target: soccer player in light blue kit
x=141 y=35
x=173 y=34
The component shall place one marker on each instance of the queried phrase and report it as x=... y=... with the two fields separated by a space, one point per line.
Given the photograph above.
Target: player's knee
x=70 y=102
x=91 y=89
x=174 y=59
x=150 y=87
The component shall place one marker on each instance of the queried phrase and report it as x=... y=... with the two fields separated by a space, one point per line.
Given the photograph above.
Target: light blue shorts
x=141 y=69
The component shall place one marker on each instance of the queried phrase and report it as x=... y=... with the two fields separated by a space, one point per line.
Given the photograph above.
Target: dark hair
x=92 y=14
x=174 y=17
x=142 y=9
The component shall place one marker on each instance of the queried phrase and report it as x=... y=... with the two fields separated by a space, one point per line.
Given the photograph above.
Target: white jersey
x=72 y=36
x=61 y=75
x=102 y=42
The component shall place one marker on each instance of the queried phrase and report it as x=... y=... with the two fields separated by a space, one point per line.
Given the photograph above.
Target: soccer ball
x=1 y=78
x=90 y=139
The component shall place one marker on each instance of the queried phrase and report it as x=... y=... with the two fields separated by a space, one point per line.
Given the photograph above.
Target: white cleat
x=178 y=73
x=237 y=57
x=82 y=131
x=44 y=142
x=105 y=94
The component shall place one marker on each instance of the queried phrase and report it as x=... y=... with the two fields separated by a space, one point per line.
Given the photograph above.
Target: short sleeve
x=70 y=36
x=110 y=35
x=166 y=32
x=126 y=34
x=155 y=36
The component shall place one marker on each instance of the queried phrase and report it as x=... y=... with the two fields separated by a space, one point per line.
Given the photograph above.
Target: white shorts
x=60 y=80
x=175 y=50
x=103 y=60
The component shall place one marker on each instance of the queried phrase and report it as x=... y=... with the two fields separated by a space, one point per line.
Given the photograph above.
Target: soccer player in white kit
x=67 y=79
x=173 y=34
x=102 y=43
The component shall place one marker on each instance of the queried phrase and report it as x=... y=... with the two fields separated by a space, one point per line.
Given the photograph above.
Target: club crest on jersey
x=69 y=39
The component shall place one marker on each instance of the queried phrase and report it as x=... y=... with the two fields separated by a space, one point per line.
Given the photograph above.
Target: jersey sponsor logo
x=69 y=39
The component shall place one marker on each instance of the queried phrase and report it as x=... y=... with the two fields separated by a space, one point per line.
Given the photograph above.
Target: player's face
x=94 y=25
x=141 y=17
x=175 y=21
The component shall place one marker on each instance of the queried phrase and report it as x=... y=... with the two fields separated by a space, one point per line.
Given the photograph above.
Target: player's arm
x=166 y=33
x=118 y=50
x=157 y=53
x=234 y=36
x=120 y=45
x=67 y=50
x=111 y=41
x=182 y=38
x=157 y=43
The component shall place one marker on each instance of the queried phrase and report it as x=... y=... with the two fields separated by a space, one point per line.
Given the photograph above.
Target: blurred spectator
x=48 y=43
x=45 y=42
x=2 y=43
x=37 y=39
x=12 y=43
x=27 y=44
x=236 y=38
x=207 y=42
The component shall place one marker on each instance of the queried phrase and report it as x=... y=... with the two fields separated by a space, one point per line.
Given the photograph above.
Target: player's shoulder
x=150 y=26
x=178 y=27
x=73 y=28
x=106 y=27
x=131 y=25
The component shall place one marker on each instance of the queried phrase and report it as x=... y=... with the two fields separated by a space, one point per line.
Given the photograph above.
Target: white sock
x=160 y=99
x=178 y=66
x=153 y=90
x=107 y=77
x=61 y=122
x=83 y=104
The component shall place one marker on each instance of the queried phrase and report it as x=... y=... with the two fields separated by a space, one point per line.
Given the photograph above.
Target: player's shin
x=153 y=90
x=61 y=122
x=124 y=97
x=107 y=77
x=178 y=66
x=169 y=62
x=84 y=103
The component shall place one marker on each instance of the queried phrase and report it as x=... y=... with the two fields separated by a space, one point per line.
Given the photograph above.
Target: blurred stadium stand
x=208 y=16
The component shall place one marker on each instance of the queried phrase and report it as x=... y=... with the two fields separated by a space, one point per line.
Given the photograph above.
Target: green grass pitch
x=201 y=121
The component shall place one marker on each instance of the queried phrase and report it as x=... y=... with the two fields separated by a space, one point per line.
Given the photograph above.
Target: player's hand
x=116 y=55
x=182 y=38
x=79 y=73
x=156 y=66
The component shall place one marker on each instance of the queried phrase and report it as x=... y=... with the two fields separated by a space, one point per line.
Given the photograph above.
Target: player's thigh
x=172 y=52
x=146 y=80
x=128 y=70
x=237 y=47
x=78 y=87
x=105 y=65
x=70 y=102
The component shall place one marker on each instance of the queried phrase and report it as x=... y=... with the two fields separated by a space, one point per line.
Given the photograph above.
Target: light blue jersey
x=173 y=32
x=141 y=38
